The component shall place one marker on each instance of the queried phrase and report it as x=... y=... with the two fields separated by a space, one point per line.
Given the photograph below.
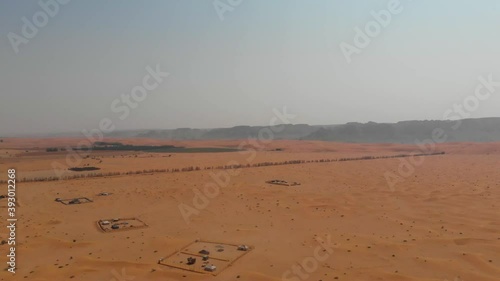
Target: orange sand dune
x=440 y=221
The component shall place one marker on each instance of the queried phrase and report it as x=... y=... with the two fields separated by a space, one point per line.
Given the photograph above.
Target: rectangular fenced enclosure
x=206 y=257
x=114 y=225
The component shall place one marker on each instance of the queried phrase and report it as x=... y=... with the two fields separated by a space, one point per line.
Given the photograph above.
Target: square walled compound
x=206 y=257
x=74 y=201
x=113 y=225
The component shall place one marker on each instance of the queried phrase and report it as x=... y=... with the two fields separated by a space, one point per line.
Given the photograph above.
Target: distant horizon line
x=215 y=128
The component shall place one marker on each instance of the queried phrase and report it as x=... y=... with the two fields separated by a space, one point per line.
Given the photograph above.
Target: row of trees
x=222 y=167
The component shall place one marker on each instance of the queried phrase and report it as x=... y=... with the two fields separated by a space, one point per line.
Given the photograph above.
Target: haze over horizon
x=262 y=56
x=119 y=132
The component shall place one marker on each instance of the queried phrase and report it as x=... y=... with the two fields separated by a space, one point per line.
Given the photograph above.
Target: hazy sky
x=264 y=54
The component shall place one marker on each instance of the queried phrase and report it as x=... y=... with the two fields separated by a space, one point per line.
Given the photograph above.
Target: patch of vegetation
x=103 y=143
x=116 y=146
x=83 y=169
x=132 y=147
x=193 y=149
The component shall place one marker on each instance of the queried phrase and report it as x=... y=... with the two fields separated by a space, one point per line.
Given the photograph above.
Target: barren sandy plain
x=344 y=222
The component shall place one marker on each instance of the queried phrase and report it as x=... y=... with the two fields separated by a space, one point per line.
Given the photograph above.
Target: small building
x=104 y=194
x=204 y=252
x=210 y=268
x=75 y=201
x=243 y=248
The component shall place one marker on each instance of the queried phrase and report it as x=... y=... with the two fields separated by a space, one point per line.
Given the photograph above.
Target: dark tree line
x=220 y=167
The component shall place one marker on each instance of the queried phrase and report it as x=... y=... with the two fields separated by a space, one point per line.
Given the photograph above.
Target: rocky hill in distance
x=467 y=130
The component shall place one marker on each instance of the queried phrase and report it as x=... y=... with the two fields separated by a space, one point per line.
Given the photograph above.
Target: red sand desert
x=344 y=222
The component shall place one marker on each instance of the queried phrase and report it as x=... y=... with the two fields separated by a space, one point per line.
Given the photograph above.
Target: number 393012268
x=11 y=189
